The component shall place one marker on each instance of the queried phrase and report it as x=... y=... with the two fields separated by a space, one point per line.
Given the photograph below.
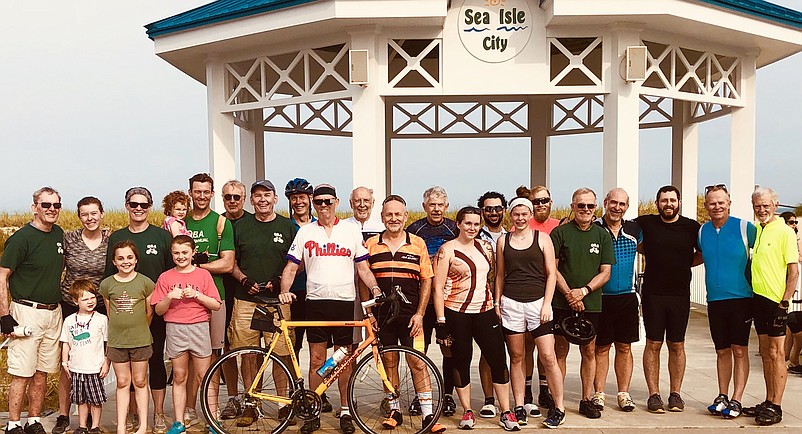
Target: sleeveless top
x=467 y=289
x=524 y=274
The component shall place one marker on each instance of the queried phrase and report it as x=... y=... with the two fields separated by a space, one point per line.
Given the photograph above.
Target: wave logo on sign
x=494 y=30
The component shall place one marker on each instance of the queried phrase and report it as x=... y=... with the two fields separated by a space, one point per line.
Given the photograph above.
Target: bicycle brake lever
x=401 y=295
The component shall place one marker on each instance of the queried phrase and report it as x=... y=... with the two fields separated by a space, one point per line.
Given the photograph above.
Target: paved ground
x=699 y=389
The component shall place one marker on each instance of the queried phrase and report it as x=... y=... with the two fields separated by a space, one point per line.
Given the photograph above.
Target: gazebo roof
x=225 y=10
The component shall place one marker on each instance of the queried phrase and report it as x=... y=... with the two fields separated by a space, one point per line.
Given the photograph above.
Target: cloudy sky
x=85 y=106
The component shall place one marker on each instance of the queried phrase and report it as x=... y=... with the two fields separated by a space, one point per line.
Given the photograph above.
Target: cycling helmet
x=576 y=329
x=297 y=185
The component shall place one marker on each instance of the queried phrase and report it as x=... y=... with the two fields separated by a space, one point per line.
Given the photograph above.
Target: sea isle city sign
x=494 y=30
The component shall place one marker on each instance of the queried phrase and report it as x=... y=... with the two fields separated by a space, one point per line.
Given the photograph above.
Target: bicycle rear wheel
x=265 y=415
x=368 y=399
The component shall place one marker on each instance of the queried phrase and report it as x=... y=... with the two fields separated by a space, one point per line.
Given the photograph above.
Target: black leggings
x=485 y=329
x=158 y=373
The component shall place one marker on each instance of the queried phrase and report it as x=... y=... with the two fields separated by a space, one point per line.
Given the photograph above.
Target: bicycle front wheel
x=226 y=403
x=414 y=377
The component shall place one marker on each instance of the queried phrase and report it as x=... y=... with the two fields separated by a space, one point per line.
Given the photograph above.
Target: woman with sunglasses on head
x=153 y=244
x=464 y=281
x=525 y=286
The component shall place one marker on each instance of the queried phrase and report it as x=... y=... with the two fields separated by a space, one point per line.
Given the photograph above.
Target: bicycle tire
x=268 y=419
x=367 y=399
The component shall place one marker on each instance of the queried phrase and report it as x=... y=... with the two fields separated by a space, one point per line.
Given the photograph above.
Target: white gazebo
x=381 y=71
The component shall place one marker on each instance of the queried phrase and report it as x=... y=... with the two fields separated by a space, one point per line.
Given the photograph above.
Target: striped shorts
x=87 y=389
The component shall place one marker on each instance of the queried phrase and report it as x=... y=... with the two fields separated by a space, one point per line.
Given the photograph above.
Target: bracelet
x=586 y=290
x=441 y=319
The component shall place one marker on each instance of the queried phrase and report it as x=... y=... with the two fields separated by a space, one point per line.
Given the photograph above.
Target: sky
x=88 y=108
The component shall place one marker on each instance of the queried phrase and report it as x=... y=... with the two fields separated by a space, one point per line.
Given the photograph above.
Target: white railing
x=699 y=292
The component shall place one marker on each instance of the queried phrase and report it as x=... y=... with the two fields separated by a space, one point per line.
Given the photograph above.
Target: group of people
x=468 y=280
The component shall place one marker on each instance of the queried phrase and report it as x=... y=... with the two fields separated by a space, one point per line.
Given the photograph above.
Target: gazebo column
x=367 y=106
x=621 y=122
x=252 y=150
x=221 y=127
x=540 y=112
x=684 y=156
x=742 y=144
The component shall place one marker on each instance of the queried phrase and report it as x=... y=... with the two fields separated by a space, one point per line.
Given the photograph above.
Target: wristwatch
x=784 y=304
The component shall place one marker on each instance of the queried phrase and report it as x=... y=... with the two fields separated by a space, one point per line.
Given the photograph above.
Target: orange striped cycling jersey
x=405 y=268
x=467 y=288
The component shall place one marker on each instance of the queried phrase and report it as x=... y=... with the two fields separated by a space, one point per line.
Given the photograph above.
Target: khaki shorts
x=125 y=355
x=187 y=338
x=240 y=333
x=217 y=327
x=42 y=350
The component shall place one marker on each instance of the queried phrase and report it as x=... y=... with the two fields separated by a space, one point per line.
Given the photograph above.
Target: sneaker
x=95 y=430
x=795 y=369
x=770 y=415
x=159 y=423
x=80 y=430
x=231 y=410
x=132 y=422
x=655 y=404
x=625 y=401
x=545 y=400
x=34 y=428
x=508 y=421
x=437 y=428
x=589 y=410
x=532 y=410
x=177 y=428
x=325 y=407
x=347 y=424
x=414 y=407
x=556 y=418
x=62 y=425
x=675 y=402
x=284 y=412
x=520 y=415
x=310 y=426
x=733 y=410
x=190 y=417
x=489 y=409
x=248 y=416
x=15 y=430
x=449 y=406
x=468 y=420
x=598 y=400
x=754 y=411
x=394 y=418
x=719 y=404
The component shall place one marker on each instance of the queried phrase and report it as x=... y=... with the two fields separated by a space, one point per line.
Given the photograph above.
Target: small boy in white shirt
x=83 y=354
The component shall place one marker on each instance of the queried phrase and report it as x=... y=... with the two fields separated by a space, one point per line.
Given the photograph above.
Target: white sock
x=393 y=402
x=343 y=411
x=13 y=424
x=425 y=399
x=32 y=420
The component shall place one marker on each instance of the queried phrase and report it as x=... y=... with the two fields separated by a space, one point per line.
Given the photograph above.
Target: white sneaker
x=532 y=410
x=190 y=417
x=598 y=400
x=625 y=401
x=488 y=410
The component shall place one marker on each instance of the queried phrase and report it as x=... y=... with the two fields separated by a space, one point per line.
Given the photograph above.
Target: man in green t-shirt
x=584 y=257
x=214 y=252
x=30 y=270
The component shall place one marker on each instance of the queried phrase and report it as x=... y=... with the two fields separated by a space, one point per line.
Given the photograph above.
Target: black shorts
x=396 y=332
x=429 y=323
x=666 y=317
x=330 y=310
x=560 y=313
x=764 y=311
x=730 y=322
x=619 y=320
x=795 y=322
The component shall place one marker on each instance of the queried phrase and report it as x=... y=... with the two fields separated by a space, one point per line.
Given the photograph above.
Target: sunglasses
x=541 y=201
x=323 y=201
x=230 y=197
x=47 y=205
x=497 y=208
x=792 y=222
x=585 y=205
x=710 y=188
x=135 y=205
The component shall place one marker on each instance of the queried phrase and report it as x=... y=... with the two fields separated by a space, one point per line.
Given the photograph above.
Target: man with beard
x=775 y=269
x=670 y=247
x=619 y=318
x=362 y=202
x=584 y=256
x=541 y=200
x=436 y=229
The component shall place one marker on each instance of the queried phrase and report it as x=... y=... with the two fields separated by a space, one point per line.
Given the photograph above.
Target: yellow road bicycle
x=388 y=377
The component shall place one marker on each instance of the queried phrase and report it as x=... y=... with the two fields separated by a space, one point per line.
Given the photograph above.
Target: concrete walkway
x=699 y=389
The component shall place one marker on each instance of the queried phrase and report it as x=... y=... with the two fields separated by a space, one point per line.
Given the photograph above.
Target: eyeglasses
x=541 y=201
x=585 y=205
x=497 y=208
x=47 y=205
x=135 y=205
x=234 y=197
x=323 y=201
x=792 y=222
x=710 y=188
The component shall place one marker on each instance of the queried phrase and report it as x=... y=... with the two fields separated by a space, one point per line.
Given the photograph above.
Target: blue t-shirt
x=299 y=284
x=625 y=247
x=725 y=257
x=435 y=236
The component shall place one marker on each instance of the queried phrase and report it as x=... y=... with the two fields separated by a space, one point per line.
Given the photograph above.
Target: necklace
x=82 y=325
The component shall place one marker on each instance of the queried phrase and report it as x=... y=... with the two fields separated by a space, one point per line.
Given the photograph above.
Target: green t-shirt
x=153 y=245
x=204 y=232
x=261 y=249
x=35 y=259
x=580 y=254
x=775 y=248
x=128 y=321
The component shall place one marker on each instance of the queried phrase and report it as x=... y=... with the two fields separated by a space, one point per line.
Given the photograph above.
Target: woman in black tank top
x=527 y=276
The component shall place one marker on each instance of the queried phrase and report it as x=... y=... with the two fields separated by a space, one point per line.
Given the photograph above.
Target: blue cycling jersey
x=725 y=257
x=625 y=247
